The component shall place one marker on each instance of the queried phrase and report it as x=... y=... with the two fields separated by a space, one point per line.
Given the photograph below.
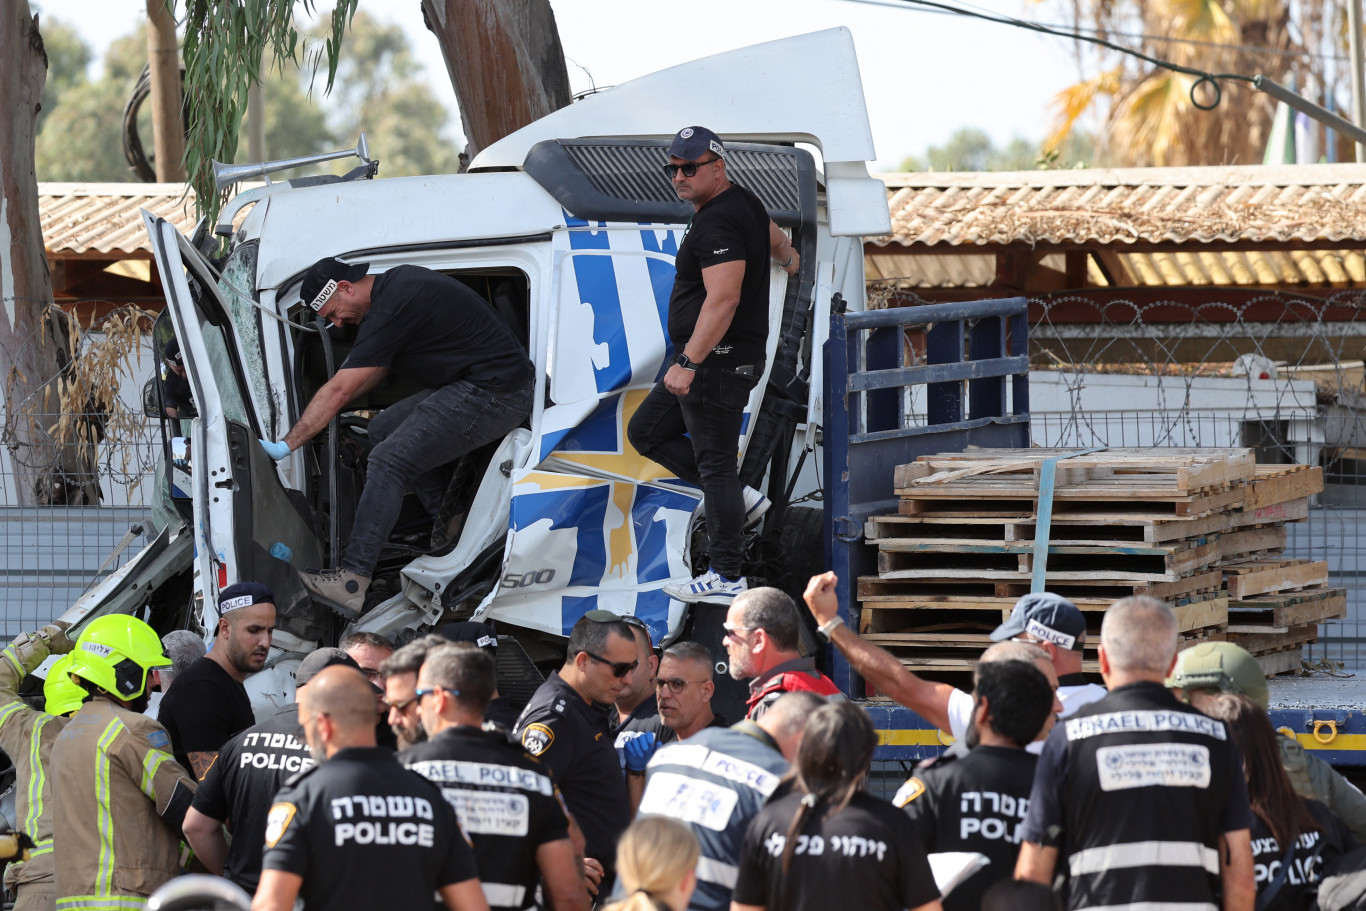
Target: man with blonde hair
x=1141 y=796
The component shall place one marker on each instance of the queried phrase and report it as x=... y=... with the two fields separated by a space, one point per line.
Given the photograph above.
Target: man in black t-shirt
x=975 y=801
x=436 y=331
x=718 y=322
x=504 y=798
x=359 y=830
x=207 y=703
x=242 y=783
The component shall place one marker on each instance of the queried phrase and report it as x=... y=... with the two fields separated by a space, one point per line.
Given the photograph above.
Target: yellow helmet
x=115 y=653
x=62 y=694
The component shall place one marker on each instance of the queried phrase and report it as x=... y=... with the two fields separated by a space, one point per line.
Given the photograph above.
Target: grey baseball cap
x=1047 y=617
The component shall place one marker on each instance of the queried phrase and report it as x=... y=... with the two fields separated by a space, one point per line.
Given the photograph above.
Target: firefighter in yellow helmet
x=26 y=736
x=118 y=795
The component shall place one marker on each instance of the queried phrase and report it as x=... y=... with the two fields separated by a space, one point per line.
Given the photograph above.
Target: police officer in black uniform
x=1139 y=798
x=504 y=798
x=565 y=726
x=359 y=830
x=240 y=786
x=976 y=803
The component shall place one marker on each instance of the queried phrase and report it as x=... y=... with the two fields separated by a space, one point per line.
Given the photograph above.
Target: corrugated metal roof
x=1243 y=205
x=81 y=218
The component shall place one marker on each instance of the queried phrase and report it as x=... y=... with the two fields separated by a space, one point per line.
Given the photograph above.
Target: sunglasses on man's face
x=689 y=169
x=619 y=668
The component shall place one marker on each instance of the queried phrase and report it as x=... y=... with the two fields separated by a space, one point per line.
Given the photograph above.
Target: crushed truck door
x=247 y=525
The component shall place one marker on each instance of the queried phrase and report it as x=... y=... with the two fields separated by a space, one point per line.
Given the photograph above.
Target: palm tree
x=1148 y=114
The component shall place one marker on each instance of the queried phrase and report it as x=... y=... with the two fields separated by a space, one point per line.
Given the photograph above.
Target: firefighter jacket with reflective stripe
x=26 y=736
x=119 y=800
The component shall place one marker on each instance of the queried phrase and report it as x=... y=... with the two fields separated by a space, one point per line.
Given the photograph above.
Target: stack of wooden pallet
x=1201 y=529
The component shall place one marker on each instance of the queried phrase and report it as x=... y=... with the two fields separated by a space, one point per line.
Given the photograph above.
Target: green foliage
x=225 y=44
x=971 y=149
x=79 y=131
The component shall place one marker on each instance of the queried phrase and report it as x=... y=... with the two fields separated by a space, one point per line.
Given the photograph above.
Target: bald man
x=358 y=829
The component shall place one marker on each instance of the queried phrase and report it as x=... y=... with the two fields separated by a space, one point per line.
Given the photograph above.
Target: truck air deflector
x=623 y=179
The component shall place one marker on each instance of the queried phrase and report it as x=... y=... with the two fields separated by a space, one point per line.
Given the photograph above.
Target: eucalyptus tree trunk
x=505 y=62
x=35 y=339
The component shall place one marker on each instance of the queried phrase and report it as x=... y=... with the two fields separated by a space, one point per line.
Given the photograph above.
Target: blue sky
x=924 y=74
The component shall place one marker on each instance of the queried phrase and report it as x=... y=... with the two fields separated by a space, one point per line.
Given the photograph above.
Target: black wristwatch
x=685 y=362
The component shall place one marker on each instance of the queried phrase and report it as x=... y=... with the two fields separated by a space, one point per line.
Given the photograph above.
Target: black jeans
x=413 y=440
x=711 y=415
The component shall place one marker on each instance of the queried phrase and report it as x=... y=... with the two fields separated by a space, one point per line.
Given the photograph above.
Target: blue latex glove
x=276 y=451
x=638 y=751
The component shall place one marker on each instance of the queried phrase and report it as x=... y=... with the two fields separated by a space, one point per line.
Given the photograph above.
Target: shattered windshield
x=237 y=285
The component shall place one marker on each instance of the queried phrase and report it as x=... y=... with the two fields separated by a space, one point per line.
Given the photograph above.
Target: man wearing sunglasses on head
x=565 y=727
x=718 y=322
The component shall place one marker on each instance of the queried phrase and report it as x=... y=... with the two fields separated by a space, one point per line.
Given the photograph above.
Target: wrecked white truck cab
x=569 y=229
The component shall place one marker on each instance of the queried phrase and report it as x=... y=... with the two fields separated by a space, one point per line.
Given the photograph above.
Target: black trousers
x=697 y=437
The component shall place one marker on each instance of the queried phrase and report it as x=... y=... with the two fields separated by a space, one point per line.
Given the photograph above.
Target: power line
x=1204 y=77
x=1136 y=36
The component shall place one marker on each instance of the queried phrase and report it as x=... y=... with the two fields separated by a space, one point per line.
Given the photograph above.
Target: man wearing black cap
x=500 y=709
x=478 y=385
x=241 y=786
x=207 y=704
x=176 y=397
x=1055 y=625
x=718 y=321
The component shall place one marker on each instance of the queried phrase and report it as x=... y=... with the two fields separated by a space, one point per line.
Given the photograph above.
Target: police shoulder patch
x=281 y=815
x=909 y=791
x=537 y=738
x=159 y=739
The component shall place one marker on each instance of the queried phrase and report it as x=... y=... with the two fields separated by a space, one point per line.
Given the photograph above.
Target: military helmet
x=1220 y=666
x=61 y=693
x=115 y=653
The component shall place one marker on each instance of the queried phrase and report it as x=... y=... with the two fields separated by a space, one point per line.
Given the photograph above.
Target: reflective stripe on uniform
x=719 y=872
x=504 y=895
x=1146 y=854
x=1154 y=906
x=150 y=763
x=37 y=781
x=104 y=876
x=101 y=903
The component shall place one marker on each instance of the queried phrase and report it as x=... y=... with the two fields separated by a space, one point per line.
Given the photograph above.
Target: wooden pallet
x=890 y=614
x=1279 y=484
x=1132 y=526
x=1089 y=502
x=1280 y=662
x=1251 y=542
x=1163 y=472
x=1281 y=611
x=1176 y=592
x=1245 y=580
x=908 y=558
x=1265 y=643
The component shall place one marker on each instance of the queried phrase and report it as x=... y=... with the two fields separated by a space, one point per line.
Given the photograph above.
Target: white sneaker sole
x=681 y=593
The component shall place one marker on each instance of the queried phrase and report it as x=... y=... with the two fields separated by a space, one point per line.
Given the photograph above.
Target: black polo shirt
x=203 y=708
x=505 y=801
x=364 y=832
x=730 y=226
x=241 y=785
x=975 y=803
x=572 y=738
x=432 y=329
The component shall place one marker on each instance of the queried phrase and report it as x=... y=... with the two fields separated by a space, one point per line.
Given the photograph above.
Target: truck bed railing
x=900 y=383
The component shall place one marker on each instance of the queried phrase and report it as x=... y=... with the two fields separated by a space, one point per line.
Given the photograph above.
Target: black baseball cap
x=172 y=352
x=244 y=594
x=320 y=281
x=692 y=143
x=318 y=659
x=471 y=631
